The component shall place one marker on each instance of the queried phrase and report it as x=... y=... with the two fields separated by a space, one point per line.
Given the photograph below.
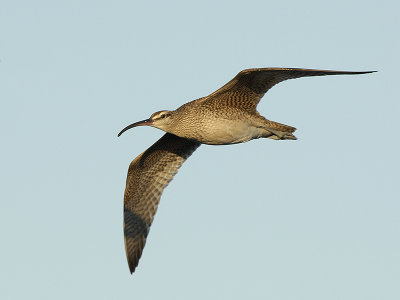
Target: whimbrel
x=227 y=116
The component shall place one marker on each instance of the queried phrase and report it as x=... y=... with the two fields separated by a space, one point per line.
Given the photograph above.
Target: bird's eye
x=162 y=116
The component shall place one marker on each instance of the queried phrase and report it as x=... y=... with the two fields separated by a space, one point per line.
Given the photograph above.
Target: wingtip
x=132 y=264
x=131 y=268
x=357 y=72
x=352 y=72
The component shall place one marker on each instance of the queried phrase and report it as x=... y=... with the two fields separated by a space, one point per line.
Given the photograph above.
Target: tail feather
x=280 y=131
x=278 y=135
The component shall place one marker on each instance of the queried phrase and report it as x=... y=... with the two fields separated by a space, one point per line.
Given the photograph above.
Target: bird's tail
x=280 y=131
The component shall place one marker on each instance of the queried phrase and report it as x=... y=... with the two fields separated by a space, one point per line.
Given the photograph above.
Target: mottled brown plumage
x=226 y=116
x=148 y=175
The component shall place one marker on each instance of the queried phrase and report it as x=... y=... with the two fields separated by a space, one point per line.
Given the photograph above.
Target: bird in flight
x=227 y=116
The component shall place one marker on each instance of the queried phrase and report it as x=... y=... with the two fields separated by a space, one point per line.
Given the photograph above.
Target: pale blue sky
x=316 y=218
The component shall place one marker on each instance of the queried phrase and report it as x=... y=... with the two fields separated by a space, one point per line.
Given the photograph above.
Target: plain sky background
x=316 y=218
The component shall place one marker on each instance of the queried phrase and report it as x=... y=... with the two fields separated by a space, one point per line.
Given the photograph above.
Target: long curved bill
x=140 y=123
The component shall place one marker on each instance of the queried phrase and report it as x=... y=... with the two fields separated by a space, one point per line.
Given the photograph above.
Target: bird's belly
x=228 y=132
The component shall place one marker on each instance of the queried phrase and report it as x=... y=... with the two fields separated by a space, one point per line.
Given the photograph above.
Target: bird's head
x=160 y=119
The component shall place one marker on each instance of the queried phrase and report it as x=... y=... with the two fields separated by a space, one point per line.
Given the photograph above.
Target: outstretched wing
x=247 y=88
x=148 y=175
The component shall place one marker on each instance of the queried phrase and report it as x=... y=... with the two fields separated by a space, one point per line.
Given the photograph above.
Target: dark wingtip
x=359 y=72
x=132 y=266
